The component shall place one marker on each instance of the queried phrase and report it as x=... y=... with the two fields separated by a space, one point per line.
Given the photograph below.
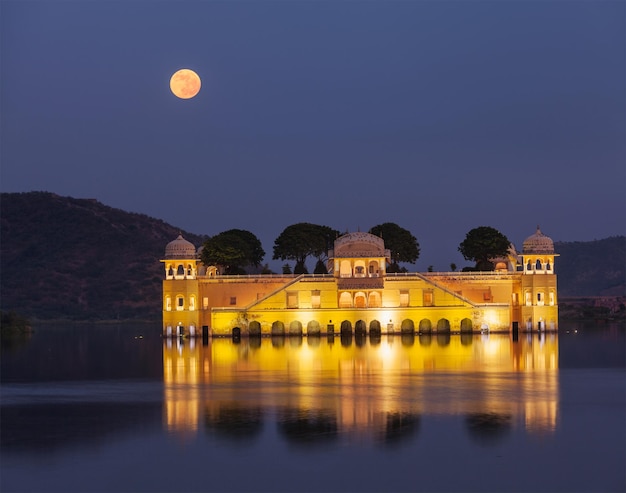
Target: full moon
x=185 y=83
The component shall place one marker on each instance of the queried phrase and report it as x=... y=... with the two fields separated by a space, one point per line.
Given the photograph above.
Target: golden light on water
x=358 y=382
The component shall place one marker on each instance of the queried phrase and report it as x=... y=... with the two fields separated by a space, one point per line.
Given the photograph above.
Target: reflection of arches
x=408 y=338
x=467 y=339
x=295 y=328
x=443 y=325
x=346 y=327
x=313 y=328
x=374 y=300
x=308 y=428
x=237 y=423
x=345 y=300
x=407 y=326
x=375 y=327
x=254 y=328
x=425 y=326
x=278 y=328
x=360 y=300
x=443 y=339
x=400 y=426
x=466 y=325
x=360 y=327
x=425 y=339
x=488 y=428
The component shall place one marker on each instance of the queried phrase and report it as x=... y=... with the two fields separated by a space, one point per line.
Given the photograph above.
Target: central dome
x=538 y=243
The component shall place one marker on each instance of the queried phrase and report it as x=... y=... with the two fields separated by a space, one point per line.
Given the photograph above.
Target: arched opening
x=374 y=300
x=466 y=325
x=254 y=328
x=375 y=327
x=313 y=328
x=407 y=326
x=168 y=303
x=295 y=328
x=278 y=328
x=345 y=269
x=346 y=327
x=170 y=271
x=180 y=271
x=538 y=265
x=373 y=268
x=360 y=301
x=359 y=268
x=360 y=327
x=345 y=300
x=236 y=333
x=425 y=326
x=443 y=325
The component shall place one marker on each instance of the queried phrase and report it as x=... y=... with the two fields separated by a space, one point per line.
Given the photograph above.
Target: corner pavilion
x=358 y=295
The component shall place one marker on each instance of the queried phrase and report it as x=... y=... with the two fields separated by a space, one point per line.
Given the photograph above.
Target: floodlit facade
x=358 y=295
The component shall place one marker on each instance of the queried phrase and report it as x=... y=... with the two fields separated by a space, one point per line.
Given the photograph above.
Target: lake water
x=117 y=408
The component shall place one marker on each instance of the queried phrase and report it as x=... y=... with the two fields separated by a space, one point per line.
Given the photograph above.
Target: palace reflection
x=319 y=389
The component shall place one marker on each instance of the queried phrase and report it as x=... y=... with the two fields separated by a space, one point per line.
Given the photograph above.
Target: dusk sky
x=440 y=116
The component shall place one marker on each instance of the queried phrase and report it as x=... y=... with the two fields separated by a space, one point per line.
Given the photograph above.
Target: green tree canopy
x=401 y=243
x=483 y=244
x=301 y=240
x=233 y=249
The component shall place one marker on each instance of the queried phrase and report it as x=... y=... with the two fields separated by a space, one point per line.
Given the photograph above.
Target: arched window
x=360 y=300
x=188 y=269
x=180 y=271
x=180 y=303
x=529 y=266
x=192 y=303
x=346 y=269
x=168 y=303
x=170 y=271
x=374 y=300
x=345 y=300
x=538 y=265
x=548 y=265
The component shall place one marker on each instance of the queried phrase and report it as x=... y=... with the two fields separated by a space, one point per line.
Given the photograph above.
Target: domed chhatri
x=359 y=296
x=180 y=248
x=538 y=243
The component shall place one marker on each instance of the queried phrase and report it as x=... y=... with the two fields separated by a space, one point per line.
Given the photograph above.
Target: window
x=404 y=298
x=540 y=299
x=528 y=299
x=428 y=298
x=168 y=304
x=180 y=303
x=180 y=271
x=192 y=303
x=205 y=303
x=551 y=298
x=515 y=299
x=233 y=300
x=292 y=299
x=538 y=265
x=315 y=299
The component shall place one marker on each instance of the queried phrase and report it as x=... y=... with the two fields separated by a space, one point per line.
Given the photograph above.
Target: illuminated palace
x=358 y=295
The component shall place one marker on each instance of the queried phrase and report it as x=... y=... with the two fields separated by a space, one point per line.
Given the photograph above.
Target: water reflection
x=374 y=388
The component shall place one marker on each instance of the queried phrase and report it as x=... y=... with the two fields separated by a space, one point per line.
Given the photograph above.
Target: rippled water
x=98 y=408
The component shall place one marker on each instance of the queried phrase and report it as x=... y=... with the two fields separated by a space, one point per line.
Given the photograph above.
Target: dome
x=180 y=248
x=538 y=243
x=360 y=245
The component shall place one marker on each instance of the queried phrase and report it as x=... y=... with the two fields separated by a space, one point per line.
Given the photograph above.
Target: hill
x=592 y=268
x=67 y=258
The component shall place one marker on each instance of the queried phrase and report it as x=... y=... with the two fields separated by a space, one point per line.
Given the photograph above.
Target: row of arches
x=313 y=327
x=359 y=268
x=180 y=271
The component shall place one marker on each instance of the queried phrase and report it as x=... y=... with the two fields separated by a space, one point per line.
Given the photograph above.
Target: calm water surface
x=116 y=408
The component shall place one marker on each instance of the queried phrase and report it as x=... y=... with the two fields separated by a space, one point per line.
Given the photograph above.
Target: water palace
x=358 y=296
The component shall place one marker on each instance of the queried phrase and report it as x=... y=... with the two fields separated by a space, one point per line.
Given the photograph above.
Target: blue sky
x=438 y=116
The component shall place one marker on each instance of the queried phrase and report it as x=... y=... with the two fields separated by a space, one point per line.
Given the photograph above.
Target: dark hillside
x=592 y=268
x=67 y=258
